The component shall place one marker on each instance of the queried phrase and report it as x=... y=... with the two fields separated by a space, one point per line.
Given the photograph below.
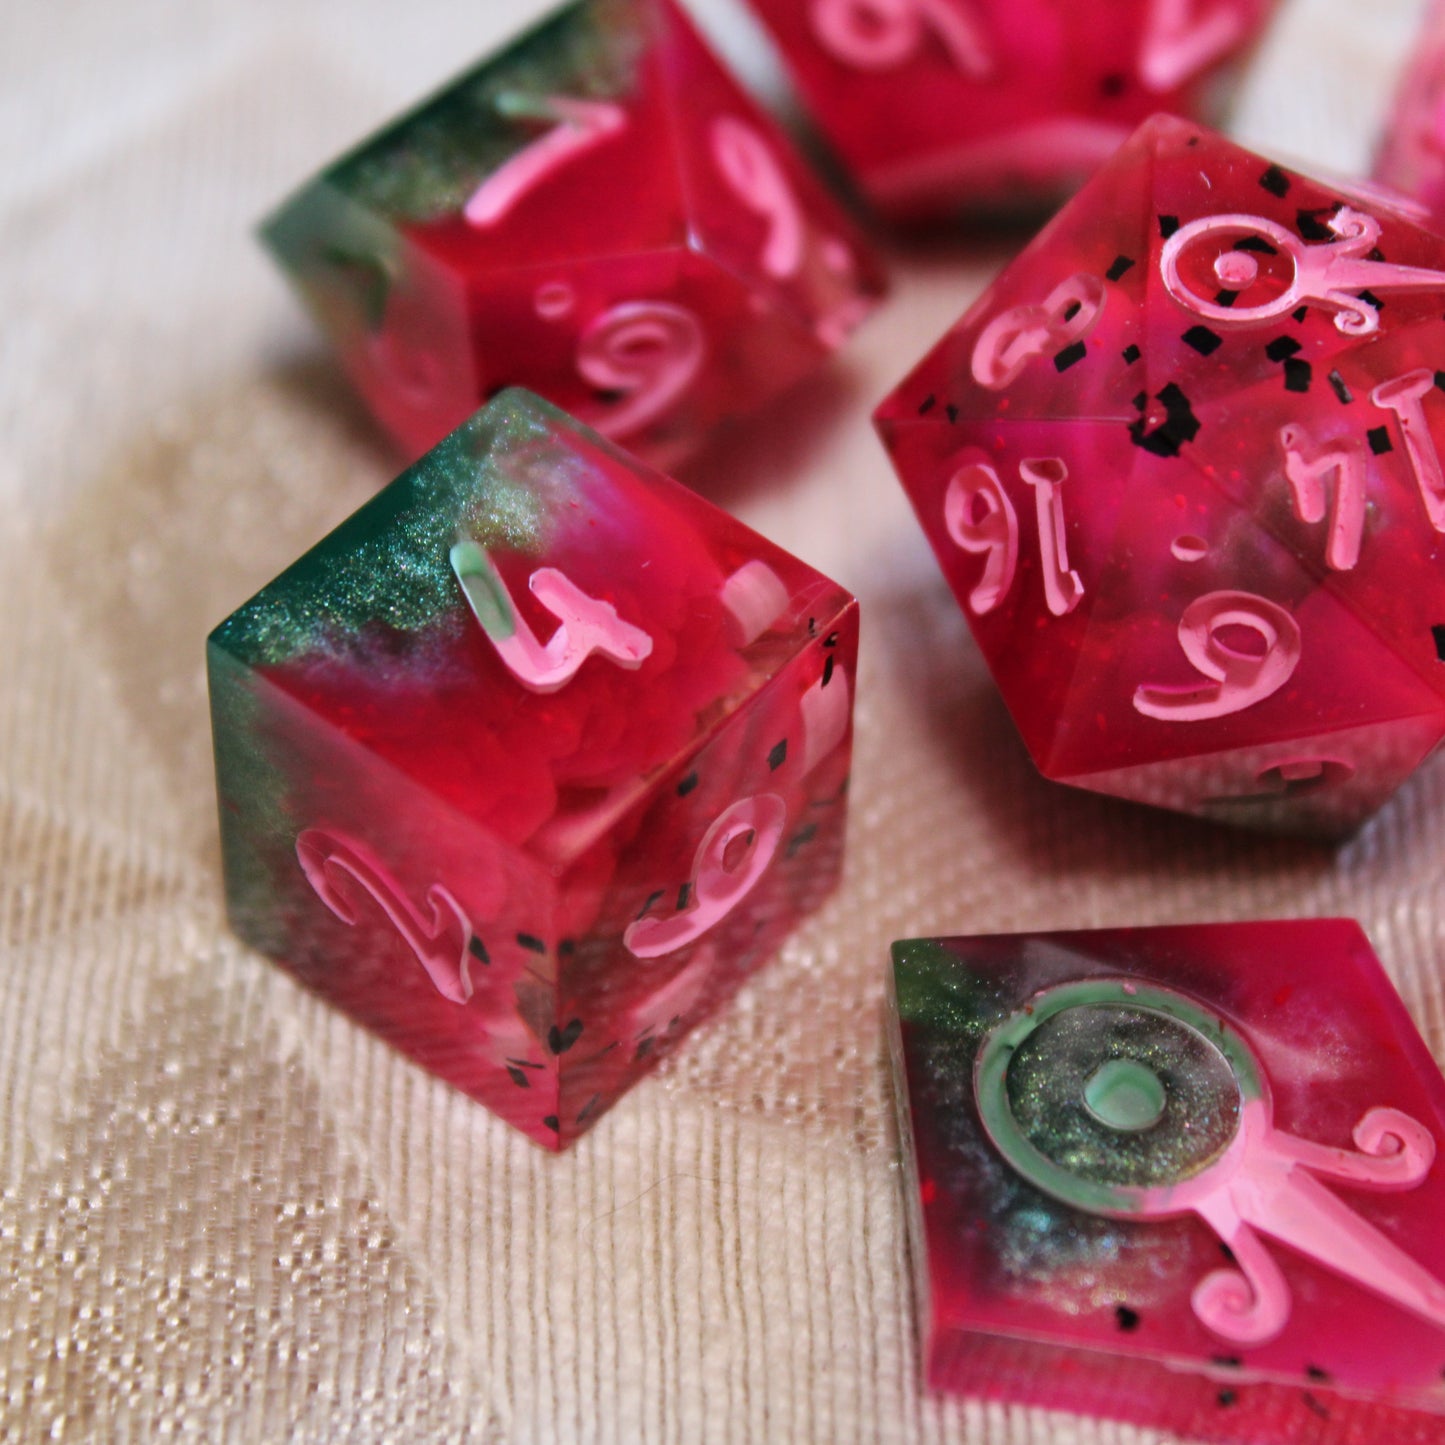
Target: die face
x=1091 y=1115
x=713 y=872
x=630 y=344
x=996 y=105
x=599 y=213
x=1220 y=594
x=454 y=737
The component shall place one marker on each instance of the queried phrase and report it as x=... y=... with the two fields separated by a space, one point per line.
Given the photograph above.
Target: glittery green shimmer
x=1032 y=1074
x=1048 y=1081
x=933 y=991
x=387 y=568
x=426 y=165
x=949 y=1005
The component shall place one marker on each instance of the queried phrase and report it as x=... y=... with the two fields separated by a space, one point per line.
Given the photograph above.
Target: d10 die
x=1179 y=466
x=529 y=763
x=1183 y=1176
x=598 y=213
x=1412 y=154
x=945 y=108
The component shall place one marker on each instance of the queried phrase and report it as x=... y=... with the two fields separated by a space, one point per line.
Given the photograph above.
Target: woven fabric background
x=225 y=1212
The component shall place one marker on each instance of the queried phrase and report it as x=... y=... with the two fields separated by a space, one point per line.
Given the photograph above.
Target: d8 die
x=598 y=213
x=1179 y=466
x=1412 y=154
x=1183 y=1176
x=529 y=763
x=944 y=108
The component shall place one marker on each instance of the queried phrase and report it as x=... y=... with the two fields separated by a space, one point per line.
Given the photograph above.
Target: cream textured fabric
x=227 y=1214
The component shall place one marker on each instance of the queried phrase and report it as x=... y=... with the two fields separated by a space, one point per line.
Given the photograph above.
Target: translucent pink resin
x=598 y=212
x=531 y=762
x=1180 y=465
x=1180 y=1176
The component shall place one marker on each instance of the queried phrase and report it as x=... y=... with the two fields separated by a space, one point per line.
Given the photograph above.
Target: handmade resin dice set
x=531 y=762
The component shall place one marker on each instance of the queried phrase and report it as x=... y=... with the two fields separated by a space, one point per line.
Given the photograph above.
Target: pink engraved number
x=882 y=34
x=981 y=519
x=1332 y=274
x=577 y=126
x=439 y=938
x=1180 y=41
x=753 y=173
x=584 y=624
x=650 y=351
x=1307 y=474
x=1404 y=395
x=1015 y=337
x=1062 y=587
x=731 y=859
x=1238 y=679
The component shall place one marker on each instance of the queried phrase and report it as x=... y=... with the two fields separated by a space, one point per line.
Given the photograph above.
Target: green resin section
x=426 y=165
x=387 y=569
x=1100 y=1090
x=947 y=1005
x=1125 y=1095
x=345 y=260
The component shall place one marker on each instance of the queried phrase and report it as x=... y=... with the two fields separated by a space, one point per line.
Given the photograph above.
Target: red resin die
x=599 y=213
x=944 y=108
x=1179 y=466
x=1412 y=155
x=532 y=761
x=1180 y=1176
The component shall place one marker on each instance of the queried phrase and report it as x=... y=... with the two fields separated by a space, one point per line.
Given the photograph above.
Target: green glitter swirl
x=426 y=165
x=388 y=568
x=1039 y=1120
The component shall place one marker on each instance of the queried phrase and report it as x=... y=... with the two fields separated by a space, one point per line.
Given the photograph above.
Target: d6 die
x=532 y=761
x=1179 y=466
x=1181 y=1176
x=598 y=213
x=966 y=107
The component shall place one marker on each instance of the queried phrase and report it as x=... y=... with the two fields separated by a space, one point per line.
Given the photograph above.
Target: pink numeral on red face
x=1307 y=476
x=584 y=624
x=1015 y=337
x=1180 y=41
x=882 y=34
x=753 y=173
x=650 y=351
x=1238 y=679
x=731 y=860
x=440 y=938
x=981 y=519
x=577 y=126
x=1062 y=587
x=1404 y=395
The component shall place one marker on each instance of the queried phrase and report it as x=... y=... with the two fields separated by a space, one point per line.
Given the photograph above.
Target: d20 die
x=1182 y=1176
x=1179 y=464
x=1411 y=156
x=599 y=213
x=944 y=108
x=532 y=761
